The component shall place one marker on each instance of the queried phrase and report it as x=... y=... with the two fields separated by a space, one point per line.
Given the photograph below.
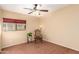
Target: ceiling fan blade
x=44 y=10
x=28 y=8
x=31 y=12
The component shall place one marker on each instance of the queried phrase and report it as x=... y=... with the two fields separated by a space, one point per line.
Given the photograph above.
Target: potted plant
x=29 y=36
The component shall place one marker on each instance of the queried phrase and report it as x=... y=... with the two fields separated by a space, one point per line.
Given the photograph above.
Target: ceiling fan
x=35 y=9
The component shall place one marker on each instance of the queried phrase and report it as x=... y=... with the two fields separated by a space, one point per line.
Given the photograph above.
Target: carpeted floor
x=38 y=48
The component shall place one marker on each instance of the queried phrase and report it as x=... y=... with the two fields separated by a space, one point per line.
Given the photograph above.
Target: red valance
x=21 y=21
x=9 y=20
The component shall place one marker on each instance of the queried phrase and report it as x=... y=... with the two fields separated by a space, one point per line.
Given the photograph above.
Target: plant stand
x=29 y=39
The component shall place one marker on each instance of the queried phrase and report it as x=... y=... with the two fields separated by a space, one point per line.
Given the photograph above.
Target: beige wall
x=0 y=37
x=62 y=27
x=0 y=29
x=17 y=37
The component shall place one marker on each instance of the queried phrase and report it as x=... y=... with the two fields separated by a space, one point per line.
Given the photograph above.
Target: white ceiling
x=19 y=8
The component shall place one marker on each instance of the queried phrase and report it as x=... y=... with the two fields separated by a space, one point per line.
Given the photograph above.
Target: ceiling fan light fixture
x=36 y=10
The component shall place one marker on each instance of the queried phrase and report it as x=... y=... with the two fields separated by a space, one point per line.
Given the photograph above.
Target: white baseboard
x=13 y=44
